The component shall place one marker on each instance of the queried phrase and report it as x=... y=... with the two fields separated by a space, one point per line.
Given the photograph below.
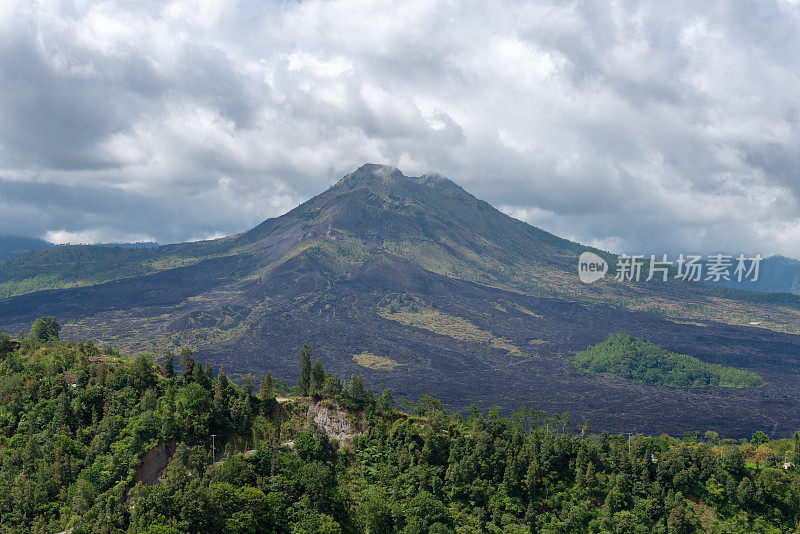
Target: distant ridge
x=777 y=274
x=12 y=245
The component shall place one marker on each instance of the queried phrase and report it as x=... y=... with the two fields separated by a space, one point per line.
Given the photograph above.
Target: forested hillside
x=76 y=422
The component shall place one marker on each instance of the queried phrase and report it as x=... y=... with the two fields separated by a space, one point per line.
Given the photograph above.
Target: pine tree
x=332 y=385
x=221 y=398
x=317 y=376
x=200 y=377
x=356 y=388
x=187 y=362
x=209 y=371
x=386 y=402
x=589 y=478
x=266 y=391
x=305 y=369
x=169 y=364
x=580 y=466
x=248 y=386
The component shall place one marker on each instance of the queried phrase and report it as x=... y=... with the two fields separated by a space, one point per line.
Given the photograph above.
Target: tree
x=45 y=329
x=209 y=372
x=305 y=369
x=199 y=376
x=332 y=385
x=746 y=492
x=266 y=391
x=759 y=438
x=305 y=445
x=797 y=449
x=263 y=431
x=426 y=509
x=187 y=362
x=682 y=519
x=6 y=345
x=193 y=408
x=169 y=364
x=248 y=386
x=357 y=392
x=317 y=376
x=386 y=402
x=222 y=394
x=141 y=372
x=374 y=511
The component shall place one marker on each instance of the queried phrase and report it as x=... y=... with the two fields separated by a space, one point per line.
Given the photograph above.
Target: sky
x=655 y=127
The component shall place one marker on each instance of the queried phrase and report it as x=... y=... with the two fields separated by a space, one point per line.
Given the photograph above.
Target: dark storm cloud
x=645 y=126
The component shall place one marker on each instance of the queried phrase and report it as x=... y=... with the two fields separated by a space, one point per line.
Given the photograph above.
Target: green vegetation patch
x=505 y=306
x=378 y=363
x=638 y=360
x=412 y=311
x=526 y=311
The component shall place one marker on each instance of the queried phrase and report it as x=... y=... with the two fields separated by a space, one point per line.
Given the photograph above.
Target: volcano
x=418 y=286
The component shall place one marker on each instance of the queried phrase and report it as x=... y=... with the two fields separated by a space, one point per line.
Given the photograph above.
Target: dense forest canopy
x=636 y=359
x=76 y=421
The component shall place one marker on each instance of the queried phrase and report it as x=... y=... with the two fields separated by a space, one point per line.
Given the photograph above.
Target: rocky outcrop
x=332 y=419
x=154 y=462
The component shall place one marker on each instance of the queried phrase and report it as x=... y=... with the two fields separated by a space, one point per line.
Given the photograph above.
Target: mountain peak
x=371 y=174
x=387 y=179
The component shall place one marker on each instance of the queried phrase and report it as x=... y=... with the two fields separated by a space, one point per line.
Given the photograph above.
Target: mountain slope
x=429 y=221
x=418 y=272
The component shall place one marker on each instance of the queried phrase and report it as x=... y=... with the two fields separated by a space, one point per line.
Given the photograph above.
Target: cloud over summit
x=645 y=126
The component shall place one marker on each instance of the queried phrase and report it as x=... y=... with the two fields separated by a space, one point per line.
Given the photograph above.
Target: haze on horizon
x=632 y=126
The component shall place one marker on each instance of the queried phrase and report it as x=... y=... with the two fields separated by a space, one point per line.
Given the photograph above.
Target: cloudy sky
x=639 y=127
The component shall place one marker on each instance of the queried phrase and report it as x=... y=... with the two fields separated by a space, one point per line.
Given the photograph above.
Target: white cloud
x=653 y=127
x=97 y=235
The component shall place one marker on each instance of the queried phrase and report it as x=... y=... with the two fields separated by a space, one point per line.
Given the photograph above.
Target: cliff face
x=154 y=462
x=332 y=419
